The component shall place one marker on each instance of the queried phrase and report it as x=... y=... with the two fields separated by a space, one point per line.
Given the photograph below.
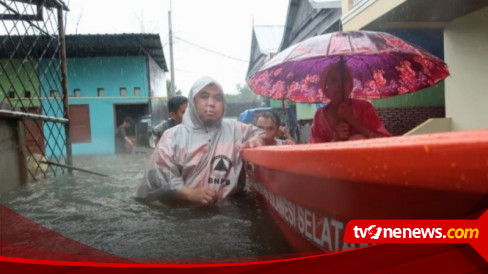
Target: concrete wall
x=111 y=74
x=20 y=77
x=398 y=121
x=466 y=44
x=432 y=125
x=9 y=158
x=158 y=92
x=355 y=17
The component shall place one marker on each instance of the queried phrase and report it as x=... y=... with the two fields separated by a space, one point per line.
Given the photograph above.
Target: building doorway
x=134 y=111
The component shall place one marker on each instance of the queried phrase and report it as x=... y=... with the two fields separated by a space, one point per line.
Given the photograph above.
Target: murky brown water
x=102 y=213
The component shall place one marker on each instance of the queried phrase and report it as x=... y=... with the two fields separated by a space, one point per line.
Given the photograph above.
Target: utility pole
x=172 y=91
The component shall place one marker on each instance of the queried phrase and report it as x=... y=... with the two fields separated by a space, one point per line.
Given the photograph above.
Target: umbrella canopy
x=382 y=65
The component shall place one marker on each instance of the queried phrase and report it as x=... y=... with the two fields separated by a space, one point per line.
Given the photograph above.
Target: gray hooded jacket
x=193 y=155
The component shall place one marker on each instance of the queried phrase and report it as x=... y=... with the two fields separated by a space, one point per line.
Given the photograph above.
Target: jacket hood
x=190 y=118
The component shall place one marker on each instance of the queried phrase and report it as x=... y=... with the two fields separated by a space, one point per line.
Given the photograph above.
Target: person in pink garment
x=344 y=118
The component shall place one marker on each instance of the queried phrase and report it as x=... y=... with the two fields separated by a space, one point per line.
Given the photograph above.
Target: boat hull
x=445 y=177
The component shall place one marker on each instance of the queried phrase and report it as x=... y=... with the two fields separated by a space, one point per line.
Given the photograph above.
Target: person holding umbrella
x=344 y=118
x=316 y=69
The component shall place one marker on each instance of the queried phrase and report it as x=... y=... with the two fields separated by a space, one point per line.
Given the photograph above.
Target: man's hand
x=129 y=142
x=283 y=130
x=255 y=141
x=288 y=142
x=202 y=195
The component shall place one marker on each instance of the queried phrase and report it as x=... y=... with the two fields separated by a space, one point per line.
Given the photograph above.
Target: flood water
x=101 y=212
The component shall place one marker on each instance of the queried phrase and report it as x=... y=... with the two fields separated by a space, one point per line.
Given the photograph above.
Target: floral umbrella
x=382 y=65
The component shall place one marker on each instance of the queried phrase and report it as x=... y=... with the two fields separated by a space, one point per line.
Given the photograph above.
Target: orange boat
x=314 y=190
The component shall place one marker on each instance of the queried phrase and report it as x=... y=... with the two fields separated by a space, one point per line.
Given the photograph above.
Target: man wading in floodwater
x=200 y=160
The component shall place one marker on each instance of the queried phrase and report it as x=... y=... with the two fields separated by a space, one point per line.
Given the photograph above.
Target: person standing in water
x=176 y=108
x=200 y=159
x=123 y=144
x=270 y=123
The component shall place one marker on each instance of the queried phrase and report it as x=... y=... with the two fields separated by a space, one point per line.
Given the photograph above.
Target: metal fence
x=33 y=80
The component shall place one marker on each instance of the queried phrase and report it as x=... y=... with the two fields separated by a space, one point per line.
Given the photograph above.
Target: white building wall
x=158 y=92
x=466 y=54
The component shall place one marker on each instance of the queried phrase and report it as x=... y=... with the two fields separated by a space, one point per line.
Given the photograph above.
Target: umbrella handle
x=342 y=65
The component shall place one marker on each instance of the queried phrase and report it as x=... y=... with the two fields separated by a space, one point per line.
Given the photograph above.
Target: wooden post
x=64 y=85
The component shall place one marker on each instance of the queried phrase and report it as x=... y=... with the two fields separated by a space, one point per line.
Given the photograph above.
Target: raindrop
x=385 y=167
x=453 y=164
x=426 y=148
x=462 y=177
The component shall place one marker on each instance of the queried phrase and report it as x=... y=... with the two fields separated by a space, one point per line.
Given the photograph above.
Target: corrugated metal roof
x=92 y=45
x=266 y=41
x=269 y=38
x=86 y=45
x=307 y=18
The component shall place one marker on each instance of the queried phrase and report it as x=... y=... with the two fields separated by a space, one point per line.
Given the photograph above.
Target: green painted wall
x=432 y=96
x=19 y=76
x=278 y=103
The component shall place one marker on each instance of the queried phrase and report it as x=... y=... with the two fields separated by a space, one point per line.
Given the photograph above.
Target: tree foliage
x=244 y=94
x=168 y=88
